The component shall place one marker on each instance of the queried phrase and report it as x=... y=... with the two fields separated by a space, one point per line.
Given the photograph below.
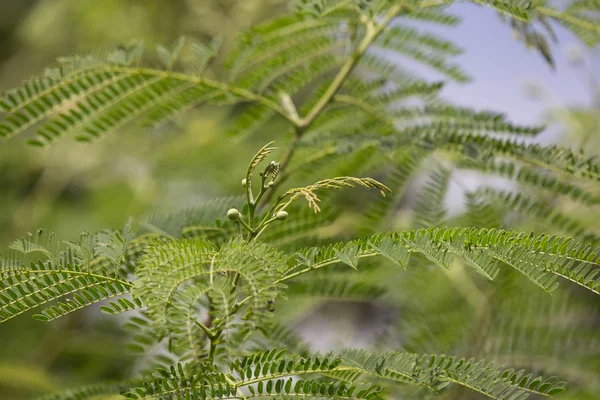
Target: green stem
x=246 y=225
x=373 y=31
x=252 y=206
x=211 y=351
x=250 y=202
x=303 y=124
x=261 y=228
x=234 y=283
x=263 y=190
x=209 y=333
x=283 y=164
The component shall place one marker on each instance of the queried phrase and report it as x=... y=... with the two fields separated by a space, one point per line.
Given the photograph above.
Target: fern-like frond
x=279 y=37
x=252 y=118
x=304 y=75
x=88 y=392
x=187 y=339
x=95 y=95
x=437 y=371
x=90 y=96
x=581 y=17
x=275 y=364
x=480 y=214
x=431 y=371
x=547 y=335
x=41 y=97
x=430 y=209
x=540 y=258
x=204 y=53
x=108 y=96
x=380 y=65
x=405 y=163
x=112 y=246
x=536 y=179
x=80 y=274
x=143 y=336
x=553 y=158
x=258 y=267
x=302 y=225
x=464 y=119
x=275 y=336
x=322 y=8
x=322 y=50
x=537 y=210
x=122 y=305
x=165 y=266
x=179 y=382
x=431 y=59
x=269 y=374
x=409 y=35
x=40 y=283
x=223 y=308
x=203 y=220
x=436 y=13
x=288 y=389
x=181 y=101
x=93 y=291
x=42 y=241
x=407 y=90
x=519 y=9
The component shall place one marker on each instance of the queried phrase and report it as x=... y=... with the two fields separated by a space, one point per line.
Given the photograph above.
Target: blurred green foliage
x=135 y=171
x=69 y=190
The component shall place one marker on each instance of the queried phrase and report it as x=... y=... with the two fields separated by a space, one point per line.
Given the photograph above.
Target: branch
x=244 y=93
x=373 y=31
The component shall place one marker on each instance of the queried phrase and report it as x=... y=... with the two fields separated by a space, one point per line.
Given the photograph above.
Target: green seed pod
x=281 y=215
x=233 y=214
x=244 y=182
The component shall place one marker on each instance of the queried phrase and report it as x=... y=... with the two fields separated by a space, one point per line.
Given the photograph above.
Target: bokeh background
x=72 y=187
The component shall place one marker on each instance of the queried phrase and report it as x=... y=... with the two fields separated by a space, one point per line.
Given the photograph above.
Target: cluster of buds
x=268 y=176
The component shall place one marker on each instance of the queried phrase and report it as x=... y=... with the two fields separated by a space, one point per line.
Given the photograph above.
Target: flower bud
x=244 y=182
x=233 y=214
x=281 y=215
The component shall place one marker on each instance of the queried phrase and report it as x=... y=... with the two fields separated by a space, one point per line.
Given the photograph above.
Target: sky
x=502 y=66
